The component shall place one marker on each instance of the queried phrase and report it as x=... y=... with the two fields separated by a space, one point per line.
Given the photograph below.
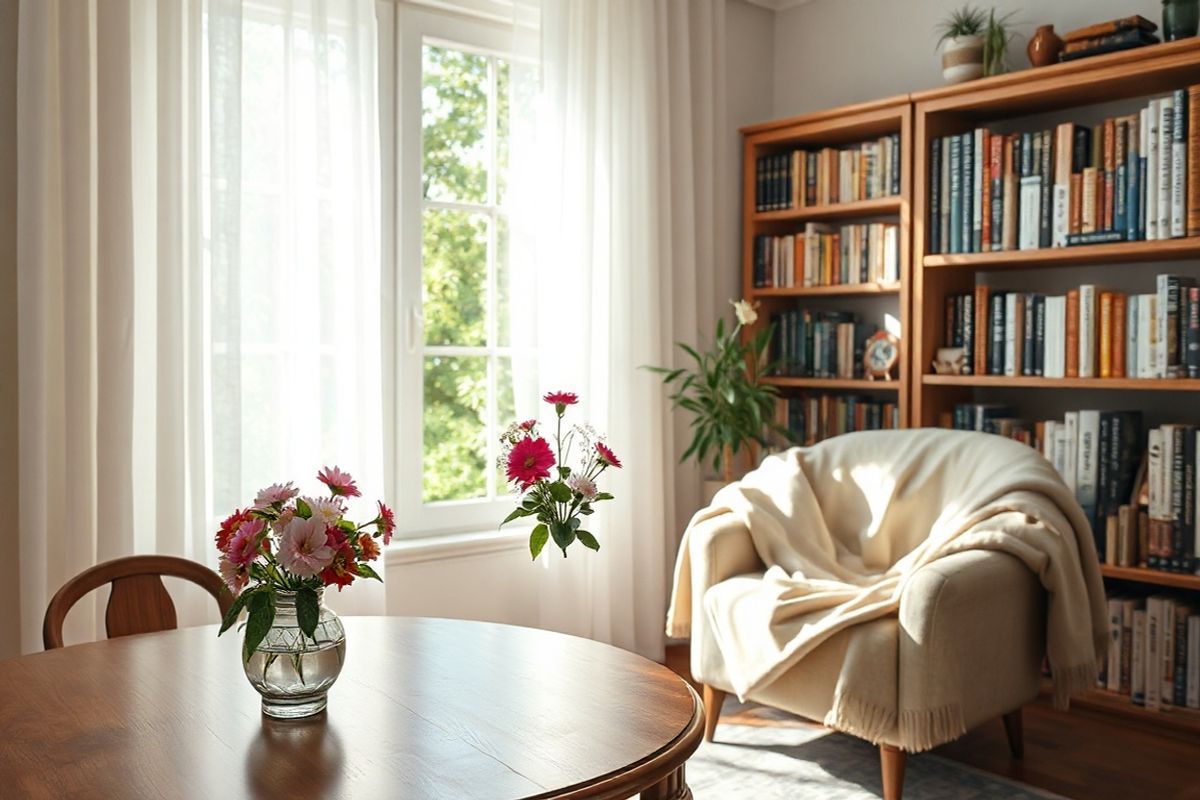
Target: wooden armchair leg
x=891 y=763
x=1014 y=730
x=713 y=700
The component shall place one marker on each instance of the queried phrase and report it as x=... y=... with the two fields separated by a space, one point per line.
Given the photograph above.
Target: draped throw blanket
x=842 y=527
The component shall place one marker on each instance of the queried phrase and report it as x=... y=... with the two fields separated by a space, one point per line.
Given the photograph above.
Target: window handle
x=416 y=328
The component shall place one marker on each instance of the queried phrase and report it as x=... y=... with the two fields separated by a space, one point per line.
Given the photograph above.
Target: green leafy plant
x=965 y=21
x=730 y=407
x=996 y=38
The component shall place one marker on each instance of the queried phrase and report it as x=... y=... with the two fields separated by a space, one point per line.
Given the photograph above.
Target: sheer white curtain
x=198 y=315
x=624 y=224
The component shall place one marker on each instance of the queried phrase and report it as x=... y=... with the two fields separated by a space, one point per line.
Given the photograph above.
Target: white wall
x=9 y=632
x=833 y=52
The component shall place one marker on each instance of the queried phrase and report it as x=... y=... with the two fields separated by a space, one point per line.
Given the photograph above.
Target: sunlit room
x=600 y=399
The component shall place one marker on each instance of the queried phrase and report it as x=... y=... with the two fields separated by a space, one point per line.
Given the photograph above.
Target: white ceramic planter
x=962 y=59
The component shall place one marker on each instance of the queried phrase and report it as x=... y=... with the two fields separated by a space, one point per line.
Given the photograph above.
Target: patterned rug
x=763 y=754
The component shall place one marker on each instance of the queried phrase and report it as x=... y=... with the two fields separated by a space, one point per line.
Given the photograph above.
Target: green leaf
x=308 y=612
x=587 y=540
x=560 y=492
x=564 y=472
x=365 y=571
x=602 y=496
x=537 y=540
x=232 y=614
x=563 y=535
x=262 y=614
x=302 y=509
x=516 y=514
x=347 y=525
x=574 y=522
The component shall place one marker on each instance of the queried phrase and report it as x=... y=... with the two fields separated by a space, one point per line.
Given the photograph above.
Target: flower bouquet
x=556 y=495
x=287 y=549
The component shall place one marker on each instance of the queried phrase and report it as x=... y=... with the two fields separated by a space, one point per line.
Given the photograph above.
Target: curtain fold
x=198 y=273
x=632 y=97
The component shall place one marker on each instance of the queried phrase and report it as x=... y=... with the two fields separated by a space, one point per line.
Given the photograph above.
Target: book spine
x=1152 y=169
x=1039 y=335
x=982 y=332
x=1179 y=163
x=1109 y=173
x=1087 y=331
x=1120 y=189
x=996 y=355
x=1153 y=653
x=1104 y=336
x=1072 y=334
x=968 y=333
x=1192 y=160
x=956 y=199
x=1088 y=468
x=1193 y=332
x=1120 y=313
x=978 y=159
x=968 y=196
x=1166 y=118
x=935 y=195
x=1132 y=177
x=996 y=188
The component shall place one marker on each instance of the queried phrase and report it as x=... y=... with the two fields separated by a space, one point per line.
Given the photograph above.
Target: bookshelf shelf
x=837 y=290
x=1185 y=721
x=858 y=384
x=1178 y=580
x=1083 y=255
x=998 y=381
x=878 y=207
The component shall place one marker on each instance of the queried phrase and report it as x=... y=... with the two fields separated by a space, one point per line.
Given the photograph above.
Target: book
x=935 y=194
x=1179 y=162
x=1123 y=40
x=1087 y=330
x=1104 y=335
x=1193 y=162
x=1134 y=22
x=1153 y=171
x=1087 y=473
x=1166 y=118
x=1119 y=347
x=1192 y=696
x=956 y=195
x=1137 y=671
x=1072 y=334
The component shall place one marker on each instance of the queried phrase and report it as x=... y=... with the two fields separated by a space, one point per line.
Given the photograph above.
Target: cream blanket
x=842 y=526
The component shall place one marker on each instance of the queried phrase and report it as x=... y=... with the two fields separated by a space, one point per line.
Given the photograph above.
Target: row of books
x=813 y=418
x=1125 y=179
x=1097 y=453
x=1153 y=651
x=819 y=344
x=825 y=255
x=1090 y=332
x=803 y=178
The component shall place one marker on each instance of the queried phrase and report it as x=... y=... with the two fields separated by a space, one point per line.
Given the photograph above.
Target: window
x=462 y=377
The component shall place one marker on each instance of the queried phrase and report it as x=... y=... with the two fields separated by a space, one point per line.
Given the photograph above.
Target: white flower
x=275 y=493
x=327 y=509
x=585 y=486
x=745 y=311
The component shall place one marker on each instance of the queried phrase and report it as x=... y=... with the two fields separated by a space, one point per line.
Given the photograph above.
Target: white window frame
x=415 y=27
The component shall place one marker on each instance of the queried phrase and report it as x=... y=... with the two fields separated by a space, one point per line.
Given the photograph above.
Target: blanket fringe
x=855 y=716
x=1072 y=680
x=924 y=729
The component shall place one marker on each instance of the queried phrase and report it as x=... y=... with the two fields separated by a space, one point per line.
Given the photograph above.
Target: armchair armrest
x=972 y=631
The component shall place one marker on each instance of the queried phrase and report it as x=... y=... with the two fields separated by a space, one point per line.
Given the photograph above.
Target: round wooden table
x=424 y=708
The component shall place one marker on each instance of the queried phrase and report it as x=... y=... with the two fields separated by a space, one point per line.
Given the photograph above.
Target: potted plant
x=731 y=408
x=962 y=44
x=996 y=38
x=1180 y=19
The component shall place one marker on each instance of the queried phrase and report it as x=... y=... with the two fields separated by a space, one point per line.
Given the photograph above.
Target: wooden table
x=424 y=708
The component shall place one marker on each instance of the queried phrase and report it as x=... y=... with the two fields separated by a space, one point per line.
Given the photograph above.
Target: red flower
x=607 y=456
x=527 y=425
x=339 y=483
x=370 y=550
x=529 y=462
x=561 y=398
x=342 y=570
x=230 y=526
x=386 y=522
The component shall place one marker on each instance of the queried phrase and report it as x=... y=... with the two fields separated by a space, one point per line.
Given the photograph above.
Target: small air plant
x=966 y=21
x=996 y=38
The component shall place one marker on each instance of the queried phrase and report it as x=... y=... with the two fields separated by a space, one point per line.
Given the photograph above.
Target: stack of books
x=819 y=344
x=1154 y=651
x=1126 y=179
x=1090 y=332
x=813 y=418
x=1108 y=37
x=828 y=256
x=804 y=178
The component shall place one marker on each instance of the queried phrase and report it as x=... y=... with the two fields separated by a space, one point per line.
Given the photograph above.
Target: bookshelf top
x=842 y=115
x=1139 y=72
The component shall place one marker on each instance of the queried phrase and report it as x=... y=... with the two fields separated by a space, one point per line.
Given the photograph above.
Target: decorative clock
x=880 y=356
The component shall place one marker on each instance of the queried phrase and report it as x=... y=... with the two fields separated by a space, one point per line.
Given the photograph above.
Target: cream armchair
x=948 y=617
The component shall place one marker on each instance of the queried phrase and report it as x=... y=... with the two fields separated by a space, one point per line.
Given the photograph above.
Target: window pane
x=454 y=272
x=454 y=428
x=516 y=97
x=454 y=98
x=503 y=284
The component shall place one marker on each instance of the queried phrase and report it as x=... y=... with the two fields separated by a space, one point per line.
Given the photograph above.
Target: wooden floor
x=1081 y=754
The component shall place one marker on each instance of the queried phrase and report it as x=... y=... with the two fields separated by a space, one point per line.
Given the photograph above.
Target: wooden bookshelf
x=1084 y=255
x=832 y=128
x=1177 y=580
x=1094 y=384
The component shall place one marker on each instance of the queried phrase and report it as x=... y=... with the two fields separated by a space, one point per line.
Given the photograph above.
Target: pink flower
x=304 y=550
x=229 y=528
x=607 y=456
x=528 y=425
x=342 y=569
x=561 y=398
x=285 y=516
x=275 y=493
x=529 y=462
x=584 y=486
x=327 y=509
x=243 y=547
x=340 y=483
x=387 y=522
x=235 y=577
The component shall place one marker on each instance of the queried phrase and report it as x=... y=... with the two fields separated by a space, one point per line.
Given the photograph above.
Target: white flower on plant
x=304 y=548
x=582 y=485
x=745 y=311
x=275 y=493
x=327 y=509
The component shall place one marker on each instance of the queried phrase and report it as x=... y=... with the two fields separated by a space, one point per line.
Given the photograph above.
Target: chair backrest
x=138 y=602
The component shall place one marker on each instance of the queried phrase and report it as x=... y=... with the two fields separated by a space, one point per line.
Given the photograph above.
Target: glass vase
x=291 y=671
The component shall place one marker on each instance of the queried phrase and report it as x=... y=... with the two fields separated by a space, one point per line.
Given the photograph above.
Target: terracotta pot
x=962 y=59
x=1044 y=47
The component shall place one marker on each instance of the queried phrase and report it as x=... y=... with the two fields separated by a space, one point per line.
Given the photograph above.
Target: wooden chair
x=138 y=602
